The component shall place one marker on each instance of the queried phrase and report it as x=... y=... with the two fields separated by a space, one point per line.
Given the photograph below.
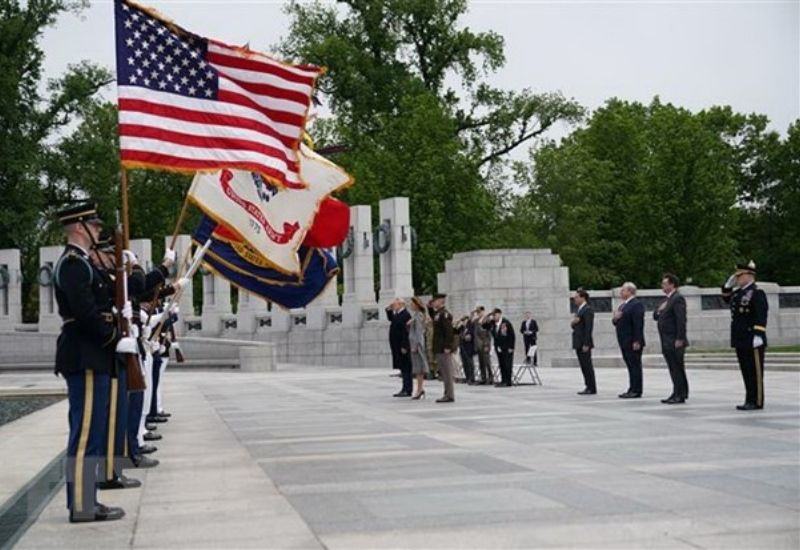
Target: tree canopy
x=406 y=87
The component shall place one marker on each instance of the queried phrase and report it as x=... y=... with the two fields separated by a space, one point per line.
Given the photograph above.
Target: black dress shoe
x=673 y=400
x=668 y=399
x=587 y=391
x=503 y=385
x=747 y=407
x=145 y=462
x=147 y=449
x=156 y=419
x=402 y=394
x=100 y=513
x=150 y=427
x=445 y=400
x=120 y=482
x=630 y=395
x=150 y=436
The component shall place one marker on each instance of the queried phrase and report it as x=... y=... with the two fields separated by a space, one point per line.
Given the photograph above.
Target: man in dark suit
x=529 y=329
x=398 y=317
x=582 y=341
x=629 y=320
x=503 y=335
x=671 y=319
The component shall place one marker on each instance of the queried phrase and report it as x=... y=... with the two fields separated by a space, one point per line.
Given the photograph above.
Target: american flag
x=188 y=103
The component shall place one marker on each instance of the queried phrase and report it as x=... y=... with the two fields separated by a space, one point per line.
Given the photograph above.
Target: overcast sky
x=691 y=53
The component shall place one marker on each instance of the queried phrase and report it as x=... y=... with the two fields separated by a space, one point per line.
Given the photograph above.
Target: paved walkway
x=326 y=458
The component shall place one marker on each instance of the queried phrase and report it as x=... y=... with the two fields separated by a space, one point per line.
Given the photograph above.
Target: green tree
x=412 y=130
x=30 y=120
x=640 y=190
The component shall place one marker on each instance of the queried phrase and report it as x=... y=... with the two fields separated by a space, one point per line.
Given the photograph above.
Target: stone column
x=359 y=277
x=327 y=302
x=515 y=281
x=10 y=289
x=49 y=320
x=395 y=263
x=216 y=303
x=250 y=308
x=143 y=249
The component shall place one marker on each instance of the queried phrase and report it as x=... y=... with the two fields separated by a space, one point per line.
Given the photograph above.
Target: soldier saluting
x=749 y=309
x=85 y=358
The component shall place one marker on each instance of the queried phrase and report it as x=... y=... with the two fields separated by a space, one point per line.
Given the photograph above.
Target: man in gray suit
x=582 y=342
x=671 y=319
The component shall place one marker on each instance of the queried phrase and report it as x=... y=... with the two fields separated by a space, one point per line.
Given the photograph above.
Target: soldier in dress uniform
x=443 y=345
x=85 y=355
x=749 y=309
x=116 y=449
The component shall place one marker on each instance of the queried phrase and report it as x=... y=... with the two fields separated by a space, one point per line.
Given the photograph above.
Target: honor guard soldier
x=116 y=446
x=85 y=357
x=749 y=309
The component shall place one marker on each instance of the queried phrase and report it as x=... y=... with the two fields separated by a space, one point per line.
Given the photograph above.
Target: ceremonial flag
x=236 y=261
x=189 y=103
x=330 y=226
x=273 y=221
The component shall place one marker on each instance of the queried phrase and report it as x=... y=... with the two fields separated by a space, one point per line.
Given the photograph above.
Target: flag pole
x=126 y=235
x=190 y=271
x=179 y=223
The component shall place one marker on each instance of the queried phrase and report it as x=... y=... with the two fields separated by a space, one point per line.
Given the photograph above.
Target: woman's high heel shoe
x=420 y=395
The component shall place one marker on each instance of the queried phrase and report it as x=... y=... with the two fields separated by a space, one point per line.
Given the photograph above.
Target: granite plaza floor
x=326 y=458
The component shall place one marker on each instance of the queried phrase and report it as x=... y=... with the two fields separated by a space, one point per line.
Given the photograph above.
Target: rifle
x=133 y=370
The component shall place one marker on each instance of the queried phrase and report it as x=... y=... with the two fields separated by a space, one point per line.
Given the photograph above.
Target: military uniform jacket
x=483 y=337
x=88 y=336
x=442 y=330
x=749 y=309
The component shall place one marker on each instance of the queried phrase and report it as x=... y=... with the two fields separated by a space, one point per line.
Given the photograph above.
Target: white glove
x=176 y=346
x=154 y=346
x=127 y=311
x=169 y=258
x=134 y=331
x=162 y=349
x=183 y=282
x=146 y=332
x=129 y=257
x=758 y=341
x=155 y=319
x=127 y=344
x=174 y=310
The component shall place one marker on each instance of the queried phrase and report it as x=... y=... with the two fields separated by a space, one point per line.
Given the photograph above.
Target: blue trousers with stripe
x=88 y=394
x=116 y=444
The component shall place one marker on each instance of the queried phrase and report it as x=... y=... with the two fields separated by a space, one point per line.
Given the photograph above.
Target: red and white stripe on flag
x=188 y=103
